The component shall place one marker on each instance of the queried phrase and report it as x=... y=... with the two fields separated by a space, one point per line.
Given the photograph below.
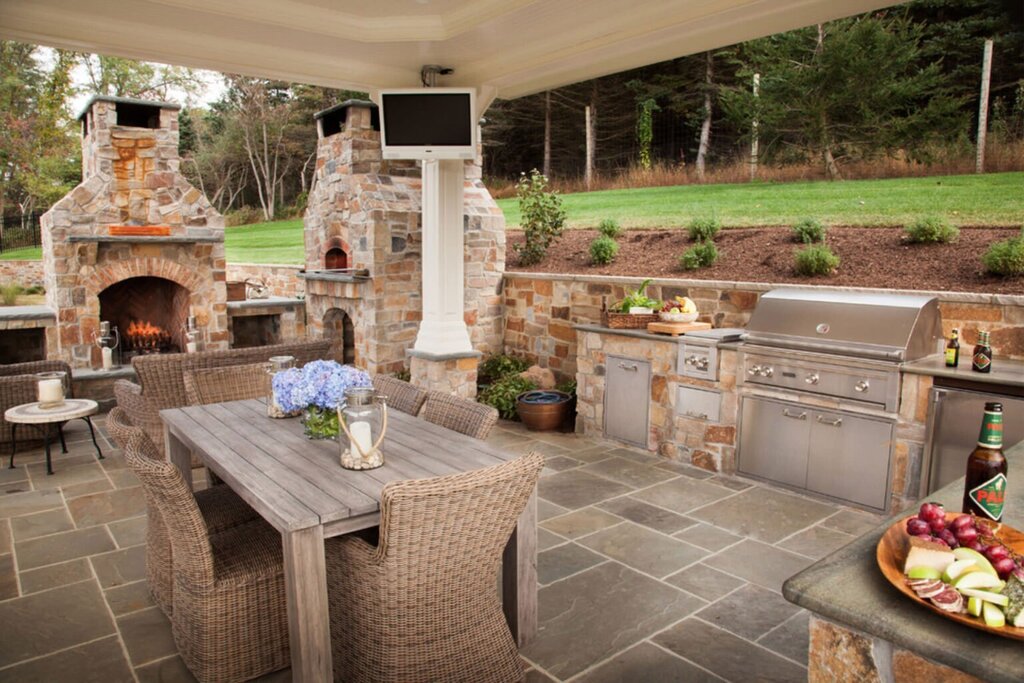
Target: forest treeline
x=889 y=92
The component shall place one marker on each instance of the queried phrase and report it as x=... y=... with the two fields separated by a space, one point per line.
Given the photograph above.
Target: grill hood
x=893 y=327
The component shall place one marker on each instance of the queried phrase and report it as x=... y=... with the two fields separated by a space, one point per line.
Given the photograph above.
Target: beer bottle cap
x=994 y=407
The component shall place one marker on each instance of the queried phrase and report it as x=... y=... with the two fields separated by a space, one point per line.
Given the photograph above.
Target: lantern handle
x=355 y=444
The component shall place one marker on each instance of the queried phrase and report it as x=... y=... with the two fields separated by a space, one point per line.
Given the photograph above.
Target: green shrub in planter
x=502 y=394
x=931 y=229
x=609 y=227
x=816 y=260
x=10 y=292
x=809 y=231
x=1005 y=258
x=703 y=229
x=496 y=367
x=701 y=255
x=603 y=250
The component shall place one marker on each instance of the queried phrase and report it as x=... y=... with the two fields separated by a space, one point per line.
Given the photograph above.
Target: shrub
x=809 y=231
x=701 y=255
x=603 y=250
x=932 y=229
x=10 y=293
x=609 y=227
x=244 y=216
x=1005 y=258
x=703 y=229
x=541 y=216
x=35 y=289
x=502 y=394
x=816 y=260
x=496 y=367
x=403 y=375
x=568 y=387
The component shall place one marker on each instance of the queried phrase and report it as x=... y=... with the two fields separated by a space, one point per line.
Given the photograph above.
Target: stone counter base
x=841 y=655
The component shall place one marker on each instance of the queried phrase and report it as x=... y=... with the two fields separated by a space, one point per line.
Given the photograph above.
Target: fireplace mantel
x=133 y=239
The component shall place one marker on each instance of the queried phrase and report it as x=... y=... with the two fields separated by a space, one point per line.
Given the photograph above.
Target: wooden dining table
x=299 y=487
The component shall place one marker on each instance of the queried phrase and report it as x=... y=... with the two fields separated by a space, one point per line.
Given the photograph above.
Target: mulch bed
x=869 y=257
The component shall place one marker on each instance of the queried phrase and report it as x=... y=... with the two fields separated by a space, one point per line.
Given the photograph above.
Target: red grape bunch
x=962 y=532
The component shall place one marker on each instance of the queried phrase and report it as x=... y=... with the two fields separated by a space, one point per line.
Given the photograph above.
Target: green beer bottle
x=985 y=485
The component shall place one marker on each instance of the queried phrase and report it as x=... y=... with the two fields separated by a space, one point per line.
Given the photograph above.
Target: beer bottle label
x=991 y=435
x=981 y=360
x=951 y=356
x=989 y=496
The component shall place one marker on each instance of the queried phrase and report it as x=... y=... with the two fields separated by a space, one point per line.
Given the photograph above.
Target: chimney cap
x=344 y=105
x=124 y=100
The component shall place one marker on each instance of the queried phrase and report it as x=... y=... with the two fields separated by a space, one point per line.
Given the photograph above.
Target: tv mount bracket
x=430 y=72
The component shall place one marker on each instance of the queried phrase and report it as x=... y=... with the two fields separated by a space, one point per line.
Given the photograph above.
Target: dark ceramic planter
x=543 y=410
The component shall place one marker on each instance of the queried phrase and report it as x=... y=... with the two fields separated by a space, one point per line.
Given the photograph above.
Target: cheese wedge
x=922 y=553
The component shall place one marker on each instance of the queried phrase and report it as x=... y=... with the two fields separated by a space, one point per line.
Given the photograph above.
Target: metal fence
x=19 y=230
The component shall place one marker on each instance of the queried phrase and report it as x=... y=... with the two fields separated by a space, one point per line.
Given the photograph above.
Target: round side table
x=34 y=414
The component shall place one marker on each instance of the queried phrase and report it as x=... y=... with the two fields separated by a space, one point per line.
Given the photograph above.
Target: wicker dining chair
x=400 y=395
x=422 y=605
x=229 y=383
x=460 y=414
x=230 y=619
x=18 y=385
x=219 y=505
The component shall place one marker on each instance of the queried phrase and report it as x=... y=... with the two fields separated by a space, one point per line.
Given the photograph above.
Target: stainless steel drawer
x=773 y=441
x=849 y=457
x=698 y=403
x=627 y=399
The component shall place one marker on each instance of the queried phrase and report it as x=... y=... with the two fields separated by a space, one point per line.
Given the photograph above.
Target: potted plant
x=637 y=302
x=543 y=410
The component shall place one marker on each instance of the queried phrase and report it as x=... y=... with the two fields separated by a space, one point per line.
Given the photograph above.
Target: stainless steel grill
x=820 y=387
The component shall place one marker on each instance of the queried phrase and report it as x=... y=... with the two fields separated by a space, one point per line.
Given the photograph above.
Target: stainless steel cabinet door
x=773 y=441
x=627 y=399
x=849 y=457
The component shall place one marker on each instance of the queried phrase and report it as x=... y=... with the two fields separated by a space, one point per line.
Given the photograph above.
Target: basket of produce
x=634 y=312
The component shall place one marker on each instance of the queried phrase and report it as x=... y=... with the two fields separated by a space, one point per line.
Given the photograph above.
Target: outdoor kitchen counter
x=847 y=588
x=1004 y=371
x=644 y=334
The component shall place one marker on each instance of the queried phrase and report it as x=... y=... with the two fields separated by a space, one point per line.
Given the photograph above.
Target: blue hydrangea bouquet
x=315 y=390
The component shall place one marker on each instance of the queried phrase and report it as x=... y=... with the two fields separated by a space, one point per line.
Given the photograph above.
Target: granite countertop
x=1004 y=371
x=639 y=334
x=848 y=587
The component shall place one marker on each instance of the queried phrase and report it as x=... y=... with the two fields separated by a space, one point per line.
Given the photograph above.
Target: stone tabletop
x=1004 y=371
x=32 y=413
x=847 y=587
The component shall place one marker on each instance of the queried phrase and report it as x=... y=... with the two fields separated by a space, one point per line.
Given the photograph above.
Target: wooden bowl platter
x=892 y=551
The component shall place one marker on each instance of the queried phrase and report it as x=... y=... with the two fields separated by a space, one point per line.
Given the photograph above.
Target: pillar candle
x=361 y=437
x=108 y=358
x=190 y=347
x=51 y=391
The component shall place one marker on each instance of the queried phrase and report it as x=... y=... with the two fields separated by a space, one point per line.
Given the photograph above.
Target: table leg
x=178 y=454
x=519 y=576
x=14 y=445
x=305 y=577
x=63 y=445
x=92 y=433
x=46 y=446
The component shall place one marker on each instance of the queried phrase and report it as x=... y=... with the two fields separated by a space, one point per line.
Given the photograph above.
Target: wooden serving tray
x=676 y=329
x=892 y=551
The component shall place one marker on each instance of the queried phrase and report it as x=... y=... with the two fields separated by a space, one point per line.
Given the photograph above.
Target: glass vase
x=319 y=423
x=277 y=364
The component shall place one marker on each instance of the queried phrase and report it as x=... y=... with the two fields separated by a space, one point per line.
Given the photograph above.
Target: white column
x=443 y=330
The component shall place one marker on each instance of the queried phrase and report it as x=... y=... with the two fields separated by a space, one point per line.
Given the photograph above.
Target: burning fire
x=147 y=336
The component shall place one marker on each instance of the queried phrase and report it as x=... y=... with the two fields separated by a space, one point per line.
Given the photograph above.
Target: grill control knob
x=701 y=363
x=812 y=378
x=861 y=386
x=769 y=371
x=754 y=371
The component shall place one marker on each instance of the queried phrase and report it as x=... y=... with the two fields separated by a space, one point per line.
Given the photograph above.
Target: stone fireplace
x=134 y=243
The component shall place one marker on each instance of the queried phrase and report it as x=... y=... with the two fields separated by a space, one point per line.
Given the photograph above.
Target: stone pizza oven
x=134 y=243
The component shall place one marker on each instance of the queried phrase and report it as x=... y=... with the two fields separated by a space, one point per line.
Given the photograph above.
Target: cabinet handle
x=628 y=368
x=702 y=416
x=801 y=416
x=831 y=423
x=862 y=386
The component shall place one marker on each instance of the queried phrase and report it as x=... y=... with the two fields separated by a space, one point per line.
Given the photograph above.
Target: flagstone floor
x=649 y=570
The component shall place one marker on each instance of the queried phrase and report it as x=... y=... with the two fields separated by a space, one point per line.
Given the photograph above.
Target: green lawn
x=990 y=199
x=23 y=254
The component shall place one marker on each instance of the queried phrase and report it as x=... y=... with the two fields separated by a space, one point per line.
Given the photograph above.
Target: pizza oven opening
x=335 y=258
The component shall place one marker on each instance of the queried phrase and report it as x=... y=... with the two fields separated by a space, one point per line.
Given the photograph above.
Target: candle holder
x=363 y=417
x=193 y=337
x=108 y=339
x=50 y=388
x=278 y=364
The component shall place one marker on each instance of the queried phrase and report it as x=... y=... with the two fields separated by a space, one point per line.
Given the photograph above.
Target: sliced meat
x=949 y=600
x=928 y=588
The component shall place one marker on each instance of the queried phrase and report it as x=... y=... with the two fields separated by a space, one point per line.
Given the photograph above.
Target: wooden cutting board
x=676 y=329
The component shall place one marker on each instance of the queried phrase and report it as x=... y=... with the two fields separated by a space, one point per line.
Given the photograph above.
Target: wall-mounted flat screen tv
x=428 y=123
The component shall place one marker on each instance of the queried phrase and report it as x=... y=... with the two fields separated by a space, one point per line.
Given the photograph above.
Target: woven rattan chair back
x=165 y=488
x=32 y=367
x=140 y=412
x=460 y=414
x=18 y=386
x=400 y=395
x=232 y=383
x=120 y=428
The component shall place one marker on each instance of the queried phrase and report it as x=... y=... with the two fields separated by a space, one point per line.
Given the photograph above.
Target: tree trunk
x=986 y=74
x=705 y=126
x=547 y=134
x=830 y=164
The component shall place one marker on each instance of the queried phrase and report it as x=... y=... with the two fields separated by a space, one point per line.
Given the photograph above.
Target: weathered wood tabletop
x=298 y=486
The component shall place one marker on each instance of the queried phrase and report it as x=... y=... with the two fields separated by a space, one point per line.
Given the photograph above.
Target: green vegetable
x=638 y=297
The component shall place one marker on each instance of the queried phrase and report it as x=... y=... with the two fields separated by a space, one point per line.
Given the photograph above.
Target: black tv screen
x=427 y=119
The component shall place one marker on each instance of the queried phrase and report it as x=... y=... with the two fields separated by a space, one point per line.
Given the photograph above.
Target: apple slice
x=956 y=568
x=979 y=559
x=977 y=579
x=986 y=596
x=924 y=572
x=974 y=606
x=992 y=615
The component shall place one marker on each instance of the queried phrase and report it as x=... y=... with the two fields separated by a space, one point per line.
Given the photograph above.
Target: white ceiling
x=506 y=48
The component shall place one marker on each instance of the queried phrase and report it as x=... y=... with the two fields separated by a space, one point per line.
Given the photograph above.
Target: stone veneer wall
x=541 y=309
x=281 y=279
x=24 y=273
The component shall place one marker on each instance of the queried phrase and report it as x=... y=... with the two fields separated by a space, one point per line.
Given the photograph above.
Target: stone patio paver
x=647 y=568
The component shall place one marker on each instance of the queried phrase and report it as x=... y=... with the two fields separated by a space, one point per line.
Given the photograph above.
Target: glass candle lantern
x=50 y=388
x=363 y=418
x=277 y=364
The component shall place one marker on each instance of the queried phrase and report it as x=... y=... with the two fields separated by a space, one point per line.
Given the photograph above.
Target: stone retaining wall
x=25 y=273
x=541 y=308
x=283 y=280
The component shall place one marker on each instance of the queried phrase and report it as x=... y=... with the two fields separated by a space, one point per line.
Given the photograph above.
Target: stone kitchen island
x=863 y=629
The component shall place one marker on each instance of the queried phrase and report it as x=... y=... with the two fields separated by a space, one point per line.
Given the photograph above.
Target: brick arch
x=336 y=243
x=105 y=276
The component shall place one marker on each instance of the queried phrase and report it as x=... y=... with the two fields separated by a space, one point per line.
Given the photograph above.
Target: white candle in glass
x=190 y=347
x=361 y=437
x=108 y=357
x=51 y=391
